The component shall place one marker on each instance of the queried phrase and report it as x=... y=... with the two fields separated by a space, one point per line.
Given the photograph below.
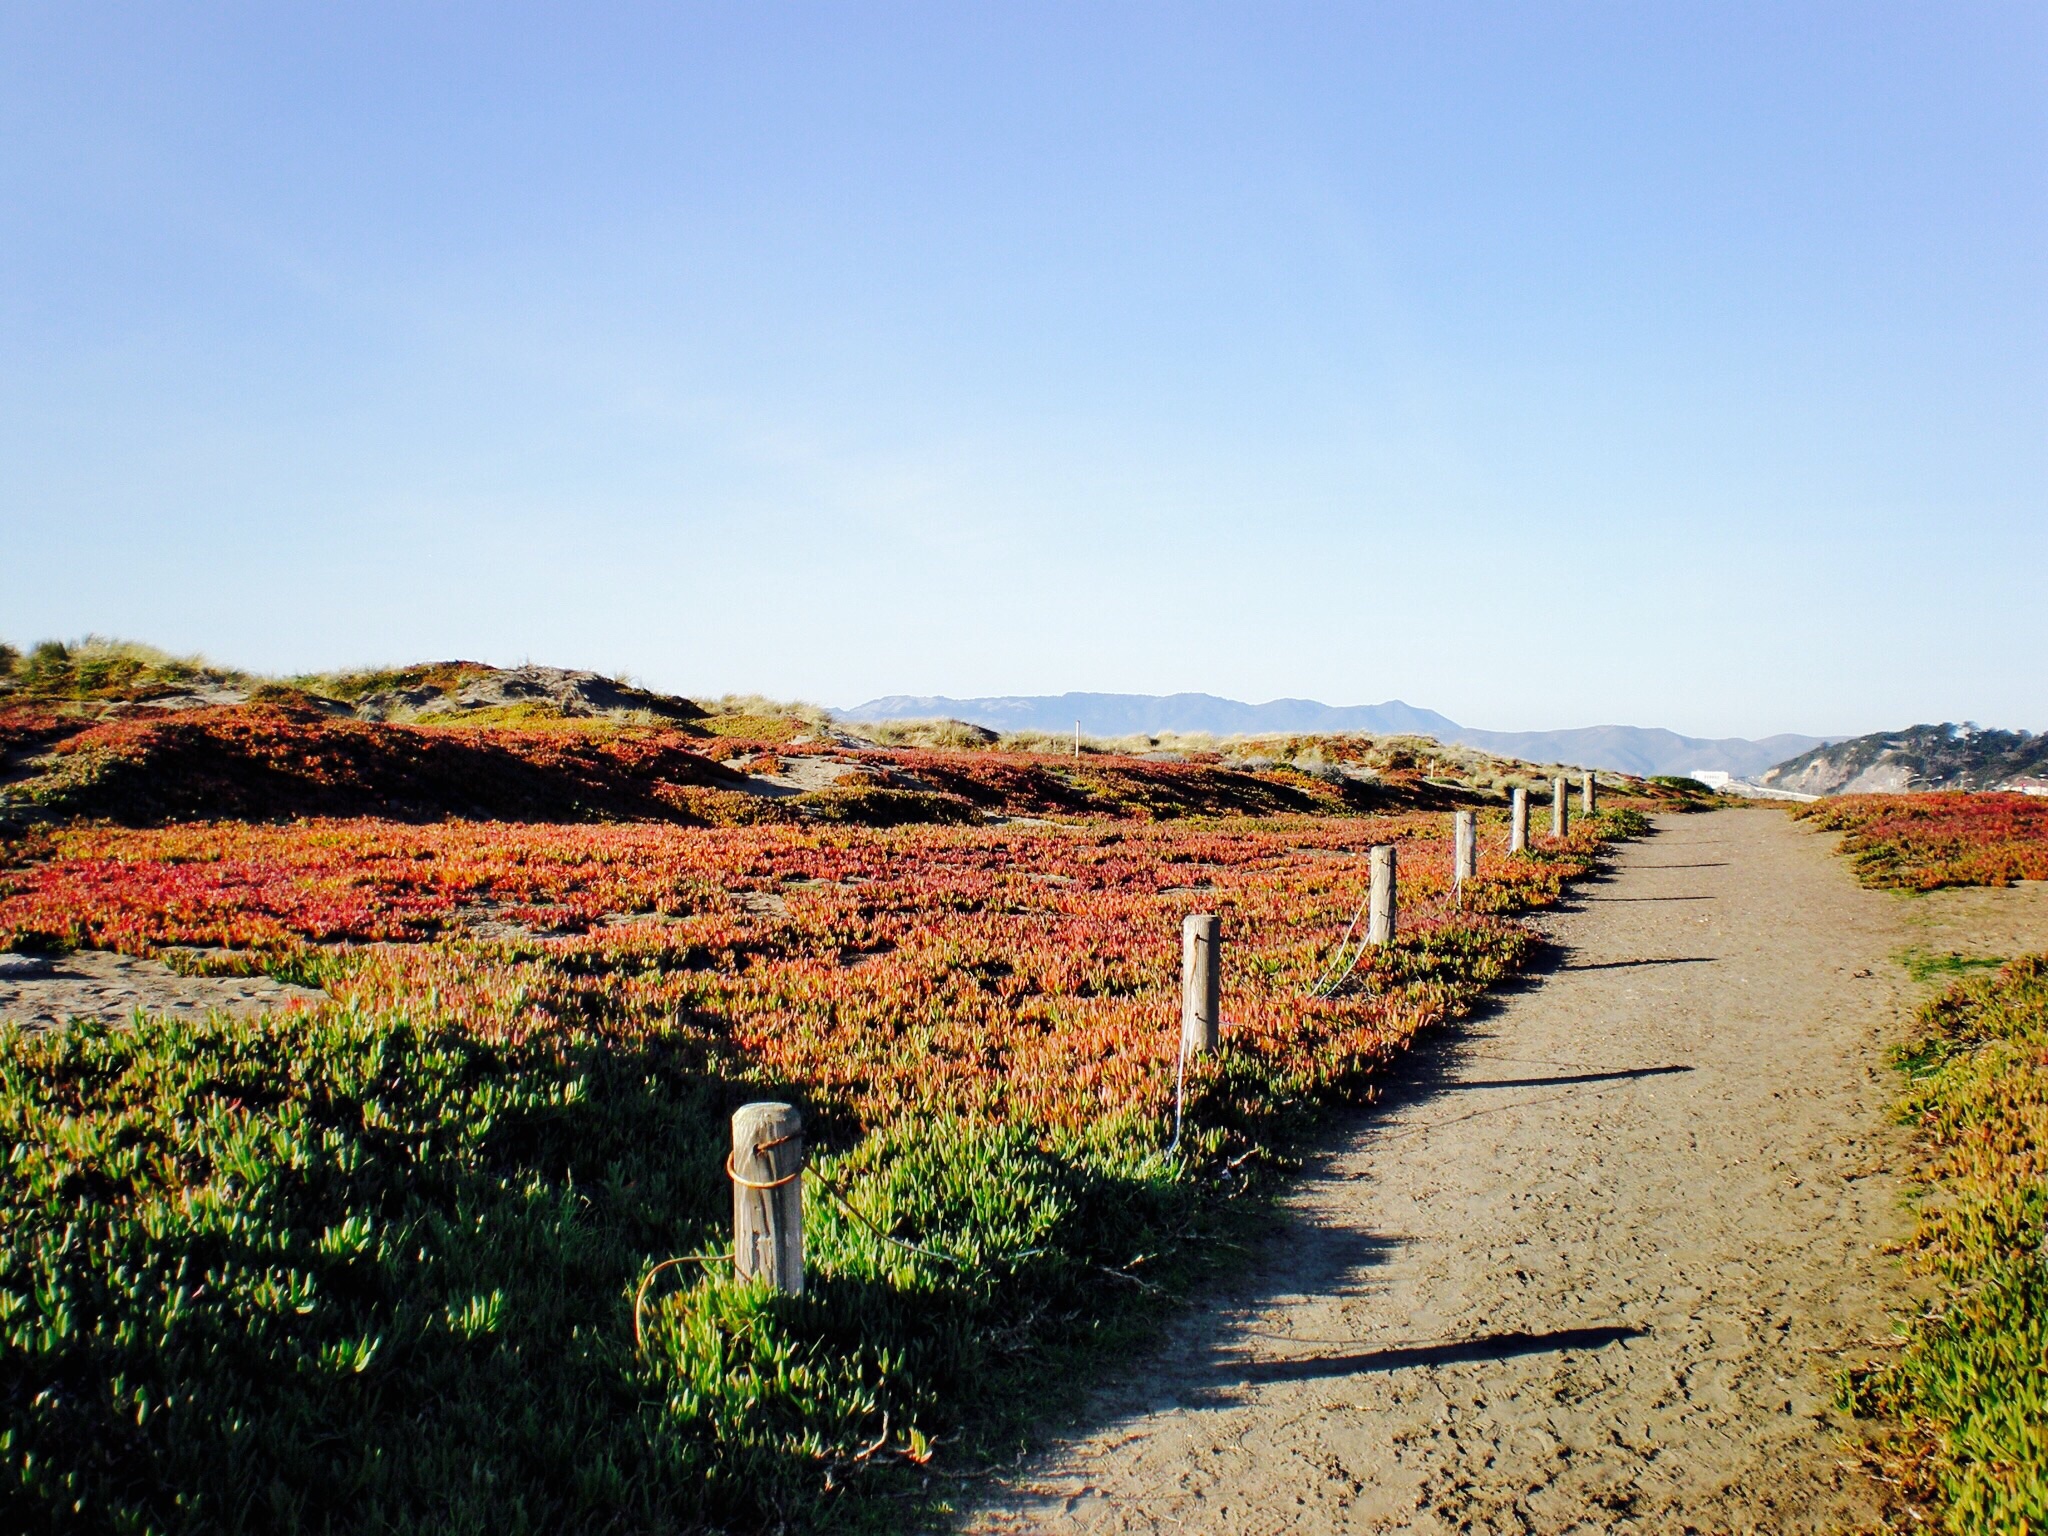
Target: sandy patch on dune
x=44 y=991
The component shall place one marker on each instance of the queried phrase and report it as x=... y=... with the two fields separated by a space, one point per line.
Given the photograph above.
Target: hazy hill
x=1921 y=757
x=1639 y=749
x=1140 y=714
x=1622 y=748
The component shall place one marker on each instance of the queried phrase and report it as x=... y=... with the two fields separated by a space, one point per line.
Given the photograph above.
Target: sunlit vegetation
x=1968 y=1396
x=1923 y=842
x=1969 y=1392
x=379 y=1255
x=97 y=668
x=262 y=761
x=285 y=756
x=393 y=1259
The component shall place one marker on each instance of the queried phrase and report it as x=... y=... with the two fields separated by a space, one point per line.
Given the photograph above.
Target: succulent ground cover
x=262 y=761
x=1922 y=842
x=1967 y=1394
x=287 y=757
x=1970 y=1389
x=378 y=1263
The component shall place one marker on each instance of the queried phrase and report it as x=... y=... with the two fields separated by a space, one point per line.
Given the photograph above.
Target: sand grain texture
x=40 y=992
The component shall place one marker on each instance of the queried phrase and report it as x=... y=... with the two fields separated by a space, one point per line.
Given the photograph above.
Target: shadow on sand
x=1400 y=1357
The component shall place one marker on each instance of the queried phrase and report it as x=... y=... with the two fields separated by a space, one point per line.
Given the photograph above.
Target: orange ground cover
x=1923 y=842
x=1023 y=972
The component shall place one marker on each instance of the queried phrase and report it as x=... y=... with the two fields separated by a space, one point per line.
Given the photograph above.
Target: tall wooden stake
x=768 y=1195
x=1464 y=846
x=1590 y=800
x=1518 y=820
x=1380 y=925
x=1560 y=809
x=1201 y=981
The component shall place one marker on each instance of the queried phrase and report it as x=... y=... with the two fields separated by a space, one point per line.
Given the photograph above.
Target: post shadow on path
x=1328 y=1260
x=1550 y=958
x=1309 y=1258
x=1593 y=887
x=1632 y=965
x=1508 y=1345
x=1562 y=1080
x=1651 y=898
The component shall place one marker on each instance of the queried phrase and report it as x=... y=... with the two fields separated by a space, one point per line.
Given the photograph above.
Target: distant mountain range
x=1621 y=748
x=1921 y=757
x=1641 y=749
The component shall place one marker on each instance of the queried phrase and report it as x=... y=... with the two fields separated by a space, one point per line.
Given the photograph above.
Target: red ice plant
x=1019 y=972
x=1926 y=841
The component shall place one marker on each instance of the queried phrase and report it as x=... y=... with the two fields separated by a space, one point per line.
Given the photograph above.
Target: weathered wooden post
x=1201 y=981
x=1379 y=928
x=1464 y=846
x=1560 y=809
x=1589 y=802
x=1518 y=820
x=767 y=1168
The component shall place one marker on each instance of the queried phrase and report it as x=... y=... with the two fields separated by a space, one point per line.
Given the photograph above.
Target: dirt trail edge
x=1591 y=1265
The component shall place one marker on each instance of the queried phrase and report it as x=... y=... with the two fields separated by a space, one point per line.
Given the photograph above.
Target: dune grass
x=948 y=735
x=98 y=667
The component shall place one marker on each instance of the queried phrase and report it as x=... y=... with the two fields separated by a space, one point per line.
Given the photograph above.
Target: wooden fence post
x=767 y=1170
x=1380 y=926
x=1201 y=981
x=1518 y=820
x=1590 y=801
x=1560 y=809
x=1464 y=846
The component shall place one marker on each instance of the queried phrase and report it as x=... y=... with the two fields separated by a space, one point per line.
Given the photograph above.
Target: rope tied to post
x=1378 y=900
x=760 y=1148
x=1331 y=981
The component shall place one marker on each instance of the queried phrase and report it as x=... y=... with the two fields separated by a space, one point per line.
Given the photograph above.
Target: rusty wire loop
x=746 y=1183
x=640 y=1295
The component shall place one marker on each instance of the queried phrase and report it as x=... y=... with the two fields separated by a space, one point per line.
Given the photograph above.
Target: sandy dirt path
x=1590 y=1265
x=45 y=991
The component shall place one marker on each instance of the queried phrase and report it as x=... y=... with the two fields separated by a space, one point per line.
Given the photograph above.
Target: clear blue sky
x=1544 y=365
